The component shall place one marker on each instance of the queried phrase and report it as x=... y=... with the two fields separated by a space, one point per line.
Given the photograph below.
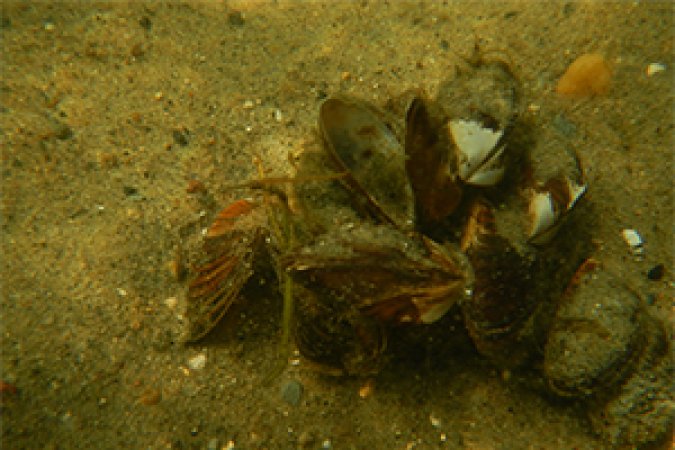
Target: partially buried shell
x=597 y=337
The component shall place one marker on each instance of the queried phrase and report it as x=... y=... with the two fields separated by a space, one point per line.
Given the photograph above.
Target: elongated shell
x=499 y=314
x=364 y=147
x=482 y=102
x=437 y=191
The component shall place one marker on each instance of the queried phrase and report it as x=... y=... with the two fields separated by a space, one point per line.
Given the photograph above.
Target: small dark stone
x=291 y=391
x=445 y=44
x=236 y=19
x=568 y=9
x=656 y=272
x=130 y=190
x=651 y=299
x=146 y=23
x=63 y=132
x=564 y=125
x=510 y=14
x=180 y=136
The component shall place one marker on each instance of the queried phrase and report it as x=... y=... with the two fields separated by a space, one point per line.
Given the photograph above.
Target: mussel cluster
x=396 y=214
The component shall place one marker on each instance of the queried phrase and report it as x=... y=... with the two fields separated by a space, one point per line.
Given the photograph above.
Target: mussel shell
x=437 y=192
x=387 y=274
x=639 y=413
x=336 y=337
x=556 y=184
x=232 y=242
x=482 y=102
x=364 y=147
x=597 y=337
x=499 y=315
x=354 y=277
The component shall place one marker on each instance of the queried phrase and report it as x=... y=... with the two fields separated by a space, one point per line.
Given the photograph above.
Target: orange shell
x=588 y=75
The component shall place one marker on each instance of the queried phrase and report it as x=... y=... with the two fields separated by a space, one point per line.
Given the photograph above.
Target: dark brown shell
x=499 y=313
x=437 y=191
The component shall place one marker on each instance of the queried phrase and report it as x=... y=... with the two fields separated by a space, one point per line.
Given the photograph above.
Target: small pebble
x=197 y=362
x=305 y=439
x=655 y=68
x=195 y=186
x=327 y=444
x=656 y=272
x=291 y=391
x=129 y=190
x=181 y=136
x=236 y=19
x=212 y=444
x=150 y=397
x=634 y=240
x=63 y=132
x=366 y=390
x=248 y=104
x=171 y=302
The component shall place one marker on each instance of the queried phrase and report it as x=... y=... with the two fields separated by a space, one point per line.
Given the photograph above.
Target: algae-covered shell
x=597 y=336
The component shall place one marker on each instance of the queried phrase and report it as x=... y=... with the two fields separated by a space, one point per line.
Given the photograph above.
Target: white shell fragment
x=547 y=208
x=634 y=240
x=197 y=362
x=479 y=164
x=654 y=68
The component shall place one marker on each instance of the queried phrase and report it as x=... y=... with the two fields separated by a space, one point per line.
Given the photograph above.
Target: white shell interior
x=542 y=213
x=474 y=143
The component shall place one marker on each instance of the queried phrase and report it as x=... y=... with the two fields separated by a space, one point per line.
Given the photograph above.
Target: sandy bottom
x=109 y=110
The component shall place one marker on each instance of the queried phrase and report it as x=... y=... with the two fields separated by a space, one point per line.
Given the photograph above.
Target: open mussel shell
x=501 y=312
x=556 y=185
x=354 y=276
x=232 y=241
x=482 y=102
x=597 y=337
x=368 y=151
